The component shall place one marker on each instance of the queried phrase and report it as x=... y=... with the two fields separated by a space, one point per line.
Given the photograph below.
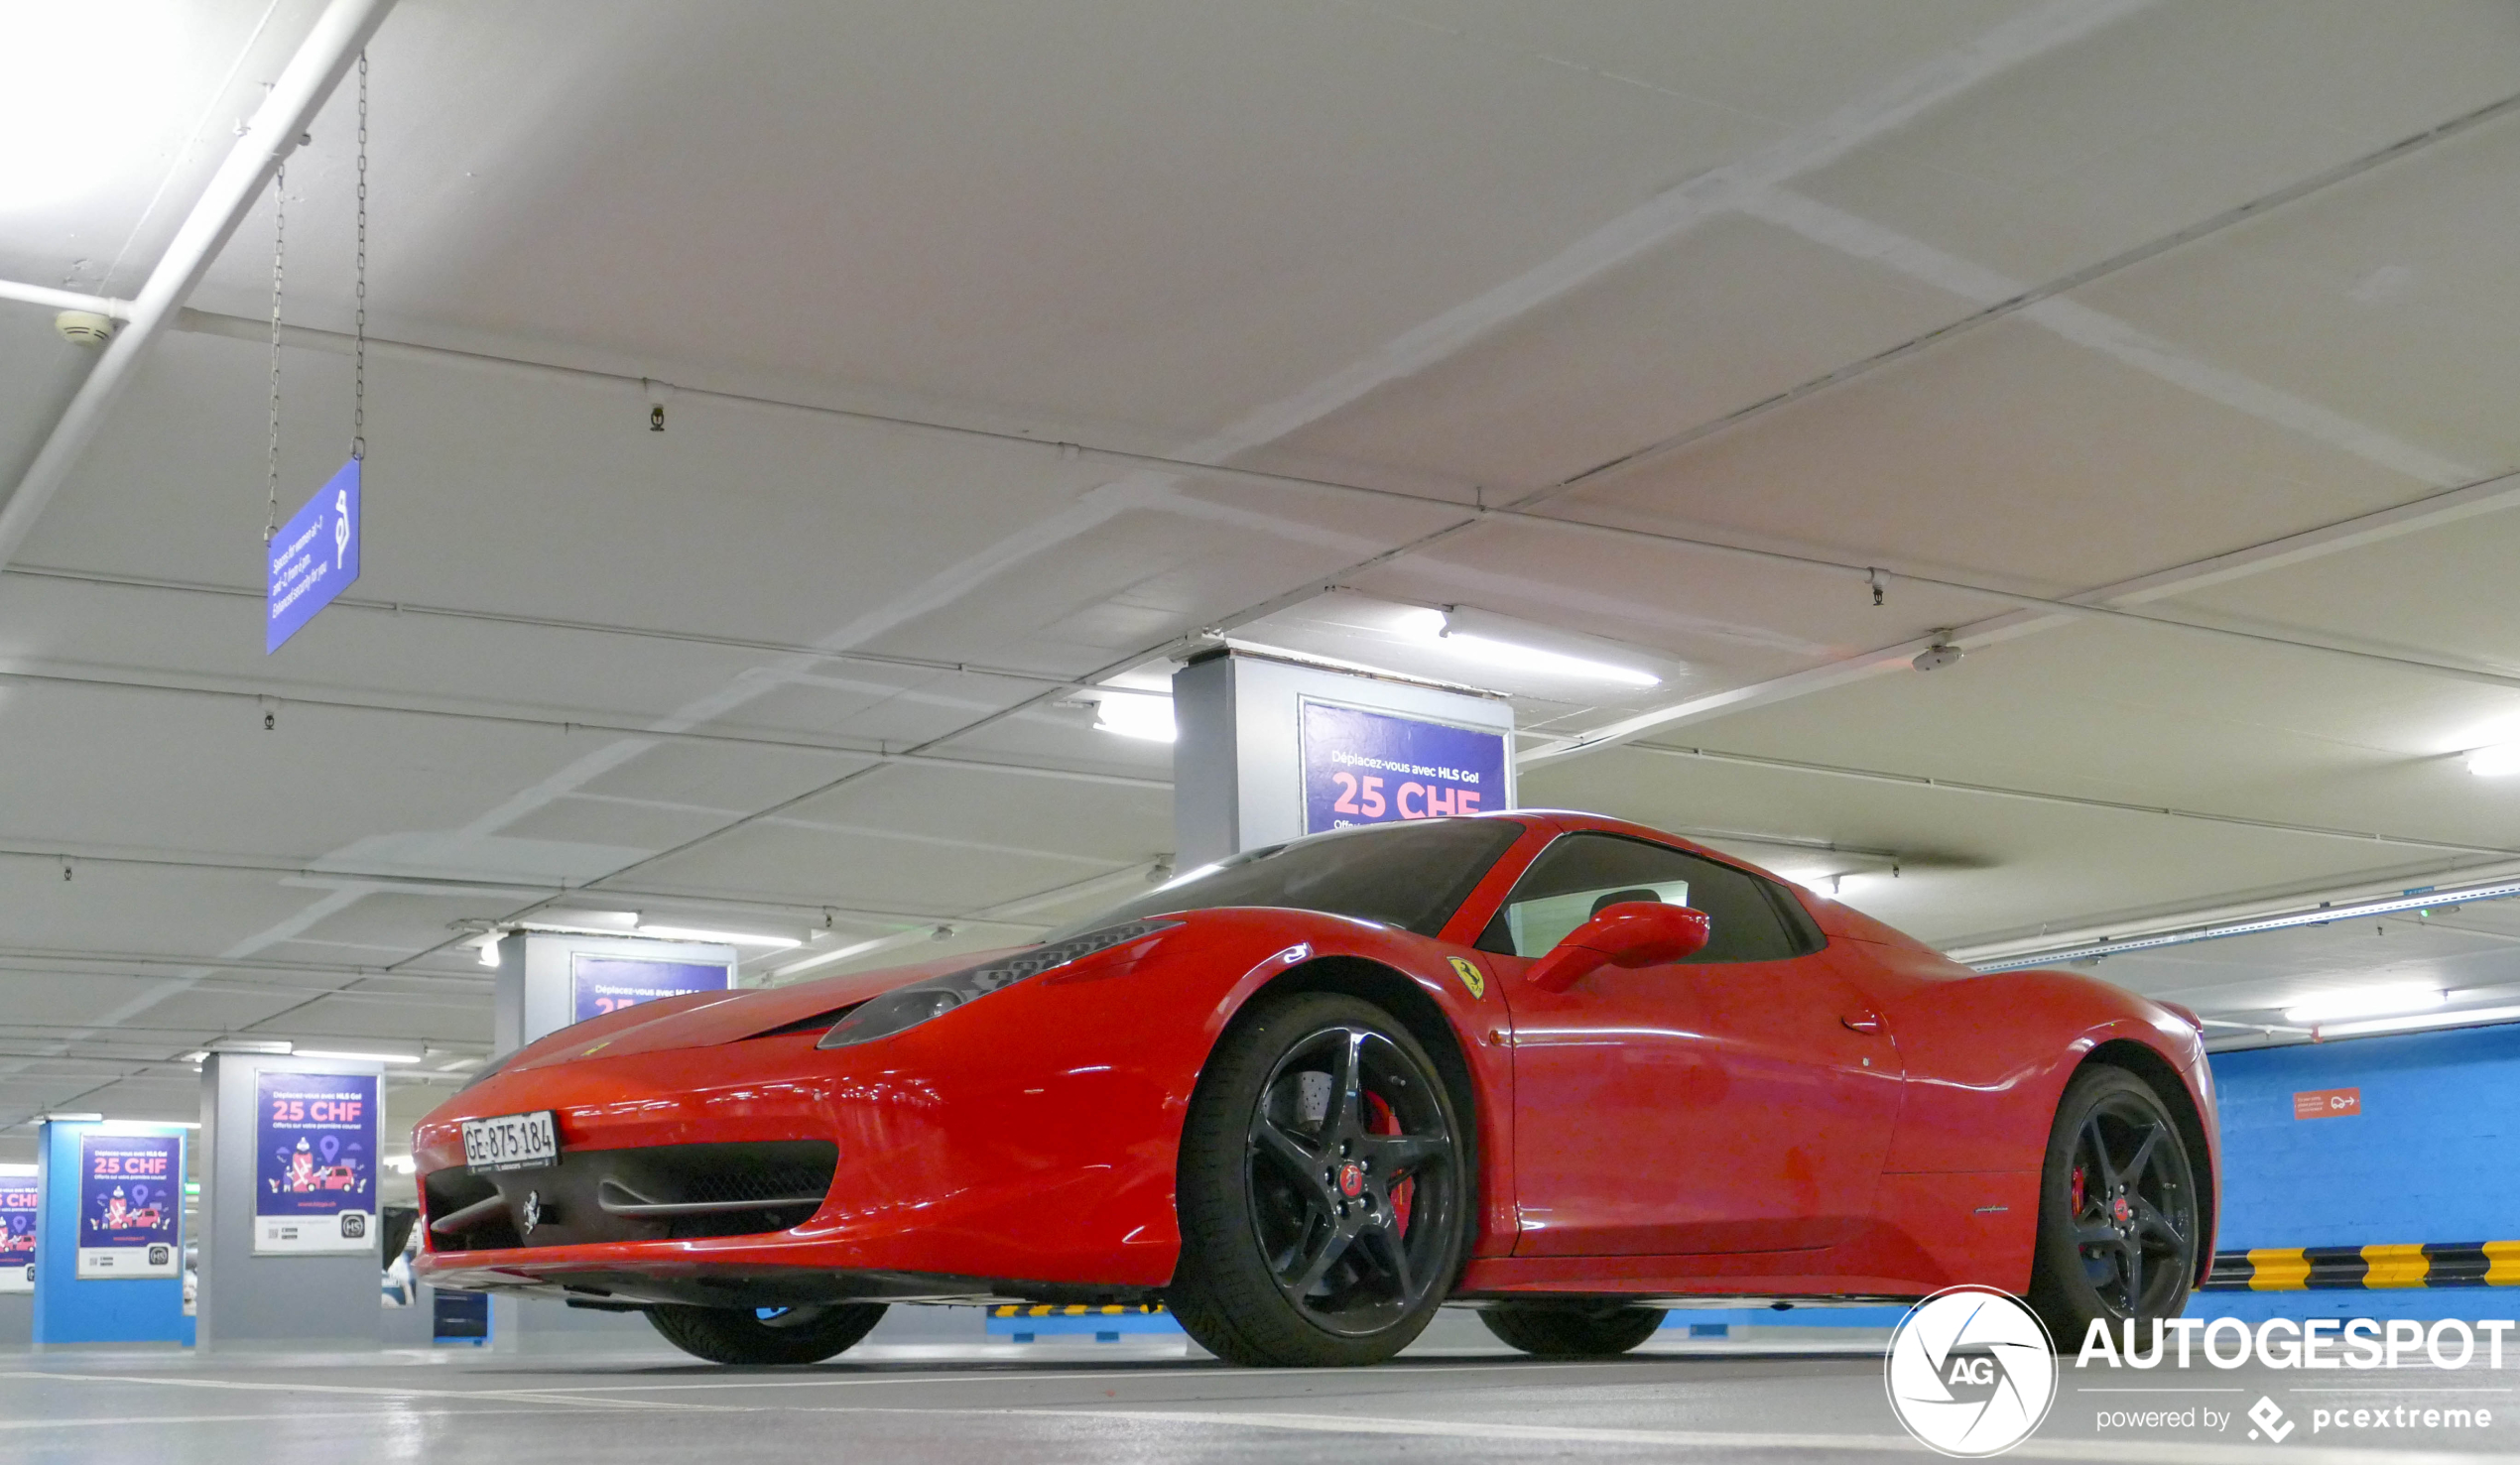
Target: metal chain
x=359 y=369
x=278 y=251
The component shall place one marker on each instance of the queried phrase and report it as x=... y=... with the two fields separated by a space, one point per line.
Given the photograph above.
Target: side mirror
x=1631 y=933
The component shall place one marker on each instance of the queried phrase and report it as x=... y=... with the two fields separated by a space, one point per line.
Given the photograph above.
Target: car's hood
x=707 y=1020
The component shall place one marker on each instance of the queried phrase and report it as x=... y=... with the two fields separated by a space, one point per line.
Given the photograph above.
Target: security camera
x=1938 y=655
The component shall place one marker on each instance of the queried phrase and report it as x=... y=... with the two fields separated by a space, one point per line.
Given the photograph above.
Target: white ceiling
x=2012 y=301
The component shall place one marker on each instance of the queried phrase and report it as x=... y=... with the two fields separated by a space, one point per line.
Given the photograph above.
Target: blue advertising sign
x=1372 y=768
x=314 y=558
x=607 y=984
x=314 y=1163
x=16 y=1234
x=130 y=1205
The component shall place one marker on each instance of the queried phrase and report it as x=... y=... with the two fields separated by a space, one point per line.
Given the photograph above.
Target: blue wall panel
x=2435 y=1155
x=68 y=1311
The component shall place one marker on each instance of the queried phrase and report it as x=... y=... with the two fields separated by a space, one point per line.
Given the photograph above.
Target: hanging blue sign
x=1371 y=768
x=16 y=1234
x=314 y=1163
x=314 y=558
x=607 y=984
x=130 y=1205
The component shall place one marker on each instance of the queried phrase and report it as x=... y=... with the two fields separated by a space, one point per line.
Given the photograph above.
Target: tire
x=1572 y=1329
x=742 y=1335
x=1324 y=1188
x=2118 y=1210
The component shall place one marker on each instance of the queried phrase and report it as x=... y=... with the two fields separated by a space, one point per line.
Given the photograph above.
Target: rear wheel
x=1324 y=1188
x=1572 y=1329
x=746 y=1335
x=2117 y=1209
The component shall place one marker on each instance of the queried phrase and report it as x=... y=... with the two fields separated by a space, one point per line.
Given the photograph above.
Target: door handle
x=1865 y=1022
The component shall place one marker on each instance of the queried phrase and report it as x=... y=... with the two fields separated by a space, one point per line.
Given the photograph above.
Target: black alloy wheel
x=1572 y=1329
x=1325 y=1189
x=2118 y=1226
x=786 y=1335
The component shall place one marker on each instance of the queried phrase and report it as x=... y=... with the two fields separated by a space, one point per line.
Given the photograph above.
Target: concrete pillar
x=547 y=981
x=283 y=1267
x=1271 y=750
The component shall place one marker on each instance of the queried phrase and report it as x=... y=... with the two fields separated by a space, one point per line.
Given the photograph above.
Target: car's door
x=1742 y=1100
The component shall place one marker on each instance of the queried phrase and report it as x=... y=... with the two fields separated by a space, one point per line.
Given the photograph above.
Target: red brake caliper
x=1383 y=1122
x=2077 y=1190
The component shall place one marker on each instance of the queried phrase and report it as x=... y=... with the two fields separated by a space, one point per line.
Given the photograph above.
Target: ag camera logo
x=1971 y=1371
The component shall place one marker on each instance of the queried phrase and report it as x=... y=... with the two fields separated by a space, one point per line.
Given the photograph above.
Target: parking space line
x=518 y=1396
x=983 y=1375
x=122 y=1422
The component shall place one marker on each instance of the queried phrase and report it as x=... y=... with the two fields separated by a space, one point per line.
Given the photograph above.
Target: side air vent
x=819 y=1024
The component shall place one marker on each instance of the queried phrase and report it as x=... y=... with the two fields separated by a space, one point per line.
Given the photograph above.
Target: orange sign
x=2327 y=1103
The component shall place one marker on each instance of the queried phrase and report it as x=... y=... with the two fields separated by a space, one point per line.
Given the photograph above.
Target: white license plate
x=511 y=1141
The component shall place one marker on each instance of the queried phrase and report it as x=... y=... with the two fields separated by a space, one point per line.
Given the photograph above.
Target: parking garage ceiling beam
x=322 y=59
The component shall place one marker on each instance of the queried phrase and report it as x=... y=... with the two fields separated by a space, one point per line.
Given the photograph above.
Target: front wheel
x=2118 y=1212
x=1324 y=1188
x=1572 y=1329
x=787 y=1335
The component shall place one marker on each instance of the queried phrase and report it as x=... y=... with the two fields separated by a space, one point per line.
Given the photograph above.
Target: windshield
x=1413 y=876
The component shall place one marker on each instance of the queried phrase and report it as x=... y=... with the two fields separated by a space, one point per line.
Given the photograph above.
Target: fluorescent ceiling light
x=1834 y=879
x=2501 y=761
x=351 y=1056
x=2466 y=1017
x=2368 y=1002
x=1132 y=715
x=856 y=948
x=1435 y=627
x=402 y=1165
x=268 y=1046
x=2426 y=899
x=490 y=949
x=723 y=938
x=72 y=1117
x=17 y=1167
x=623 y=920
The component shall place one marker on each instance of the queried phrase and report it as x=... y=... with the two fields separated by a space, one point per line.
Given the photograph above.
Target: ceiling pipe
x=327 y=55
x=64 y=300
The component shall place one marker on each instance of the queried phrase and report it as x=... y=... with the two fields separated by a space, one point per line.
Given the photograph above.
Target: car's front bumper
x=949 y=1178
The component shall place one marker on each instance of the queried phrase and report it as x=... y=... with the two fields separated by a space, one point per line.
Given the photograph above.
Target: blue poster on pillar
x=607 y=984
x=16 y=1234
x=314 y=1163
x=314 y=558
x=130 y=1205
x=1372 y=768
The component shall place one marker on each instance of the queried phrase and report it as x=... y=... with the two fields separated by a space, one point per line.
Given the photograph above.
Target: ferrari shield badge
x=1471 y=977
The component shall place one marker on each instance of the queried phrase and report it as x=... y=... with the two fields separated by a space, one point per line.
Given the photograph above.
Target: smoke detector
x=1940 y=655
x=84 y=327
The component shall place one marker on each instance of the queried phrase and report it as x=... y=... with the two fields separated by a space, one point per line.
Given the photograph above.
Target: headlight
x=907 y=1007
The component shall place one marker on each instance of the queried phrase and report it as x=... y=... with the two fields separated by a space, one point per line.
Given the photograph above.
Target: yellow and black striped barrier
x=2432 y=1264
x=1074 y=1310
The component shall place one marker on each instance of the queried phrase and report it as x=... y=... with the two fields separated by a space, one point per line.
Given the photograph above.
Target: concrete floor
x=1451 y=1399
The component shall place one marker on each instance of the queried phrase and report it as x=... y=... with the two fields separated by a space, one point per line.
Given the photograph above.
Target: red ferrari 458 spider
x=1563 y=1068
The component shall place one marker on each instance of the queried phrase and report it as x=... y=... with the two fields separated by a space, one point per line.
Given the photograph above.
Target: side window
x=1582 y=873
